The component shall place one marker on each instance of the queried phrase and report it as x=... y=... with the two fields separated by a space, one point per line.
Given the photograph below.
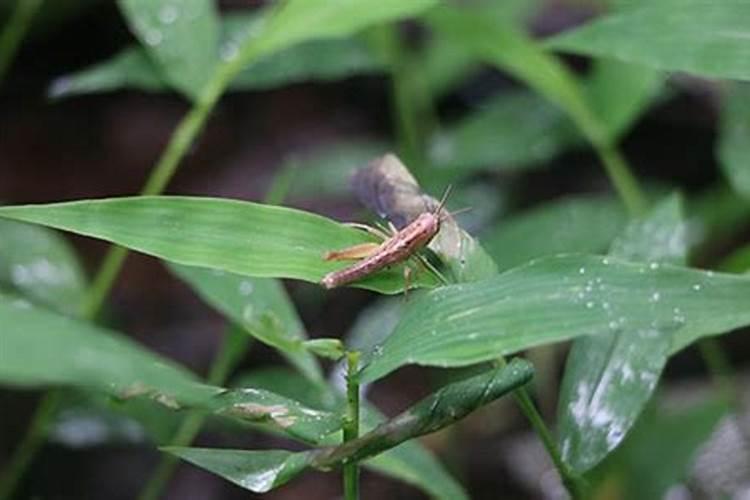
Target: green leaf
x=696 y=36
x=661 y=449
x=181 y=36
x=259 y=406
x=258 y=471
x=438 y=410
x=559 y=298
x=41 y=266
x=733 y=149
x=43 y=348
x=260 y=306
x=319 y=60
x=410 y=461
x=241 y=237
x=494 y=137
x=610 y=376
x=511 y=50
x=573 y=224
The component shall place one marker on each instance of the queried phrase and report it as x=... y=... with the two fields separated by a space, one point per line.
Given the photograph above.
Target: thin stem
x=14 y=31
x=622 y=179
x=573 y=483
x=34 y=438
x=160 y=175
x=235 y=340
x=351 y=424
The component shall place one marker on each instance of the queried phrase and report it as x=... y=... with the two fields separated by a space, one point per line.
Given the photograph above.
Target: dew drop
x=168 y=14
x=582 y=270
x=697 y=287
x=153 y=37
x=654 y=265
x=589 y=305
x=655 y=297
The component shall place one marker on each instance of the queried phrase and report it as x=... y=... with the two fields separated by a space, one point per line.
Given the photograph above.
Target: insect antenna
x=455 y=212
x=443 y=199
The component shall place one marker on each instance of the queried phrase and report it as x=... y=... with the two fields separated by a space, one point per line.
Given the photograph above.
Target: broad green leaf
x=660 y=450
x=299 y=20
x=733 y=149
x=257 y=471
x=574 y=224
x=505 y=46
x=181 y=36
x=318 y=60
x=241 y=237
x=696 y=36
x=620 y=92
x=43 y=348
x=513 y=131
x=559 y=298
x=438 y=410
x=409 y=461
x=259 y=406
x=41 y=266
x=260 y=306
x=609 y=377
x=518 y=130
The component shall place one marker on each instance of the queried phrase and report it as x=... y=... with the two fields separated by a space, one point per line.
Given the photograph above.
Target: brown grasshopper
x=397 y=247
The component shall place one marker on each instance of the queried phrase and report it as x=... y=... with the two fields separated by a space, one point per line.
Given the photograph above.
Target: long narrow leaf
x=697 y=36
x=260 y=306
x=559 y=298
x=241 y=237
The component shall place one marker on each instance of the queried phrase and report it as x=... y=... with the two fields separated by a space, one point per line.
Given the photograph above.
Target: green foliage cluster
x=611 y=274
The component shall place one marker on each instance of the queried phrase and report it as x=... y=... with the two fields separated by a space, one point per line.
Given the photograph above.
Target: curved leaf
x=181 y=36
x=559 y=298
x=697 y=36
x=260 y=306
x=241 y=237
x=258 y=471
x=41 y=266
x=568 y=225
x=610 y=376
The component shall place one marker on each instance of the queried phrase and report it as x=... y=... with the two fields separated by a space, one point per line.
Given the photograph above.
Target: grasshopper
x=395 y=248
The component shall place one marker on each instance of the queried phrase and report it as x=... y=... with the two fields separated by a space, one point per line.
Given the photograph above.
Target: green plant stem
x=572 y=481
x=190 y=426
x=14 y=31
x=34 y=438
x=622 y=179
x=351 y=424
x=160 y=175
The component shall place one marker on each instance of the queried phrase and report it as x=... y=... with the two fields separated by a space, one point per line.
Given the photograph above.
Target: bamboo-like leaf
x=446 y=406
x=733 y=149
x=610 y=376
x=697 y=36
x=660 y=451
x=257 y=471
x=261 y=306
x=240 y=237
x=410 y=461
x=181 y=36
x=40 y=266
x=559 y=298
x=42 y=348
x=263 y=407
x=574 y=224
x=318 y=60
